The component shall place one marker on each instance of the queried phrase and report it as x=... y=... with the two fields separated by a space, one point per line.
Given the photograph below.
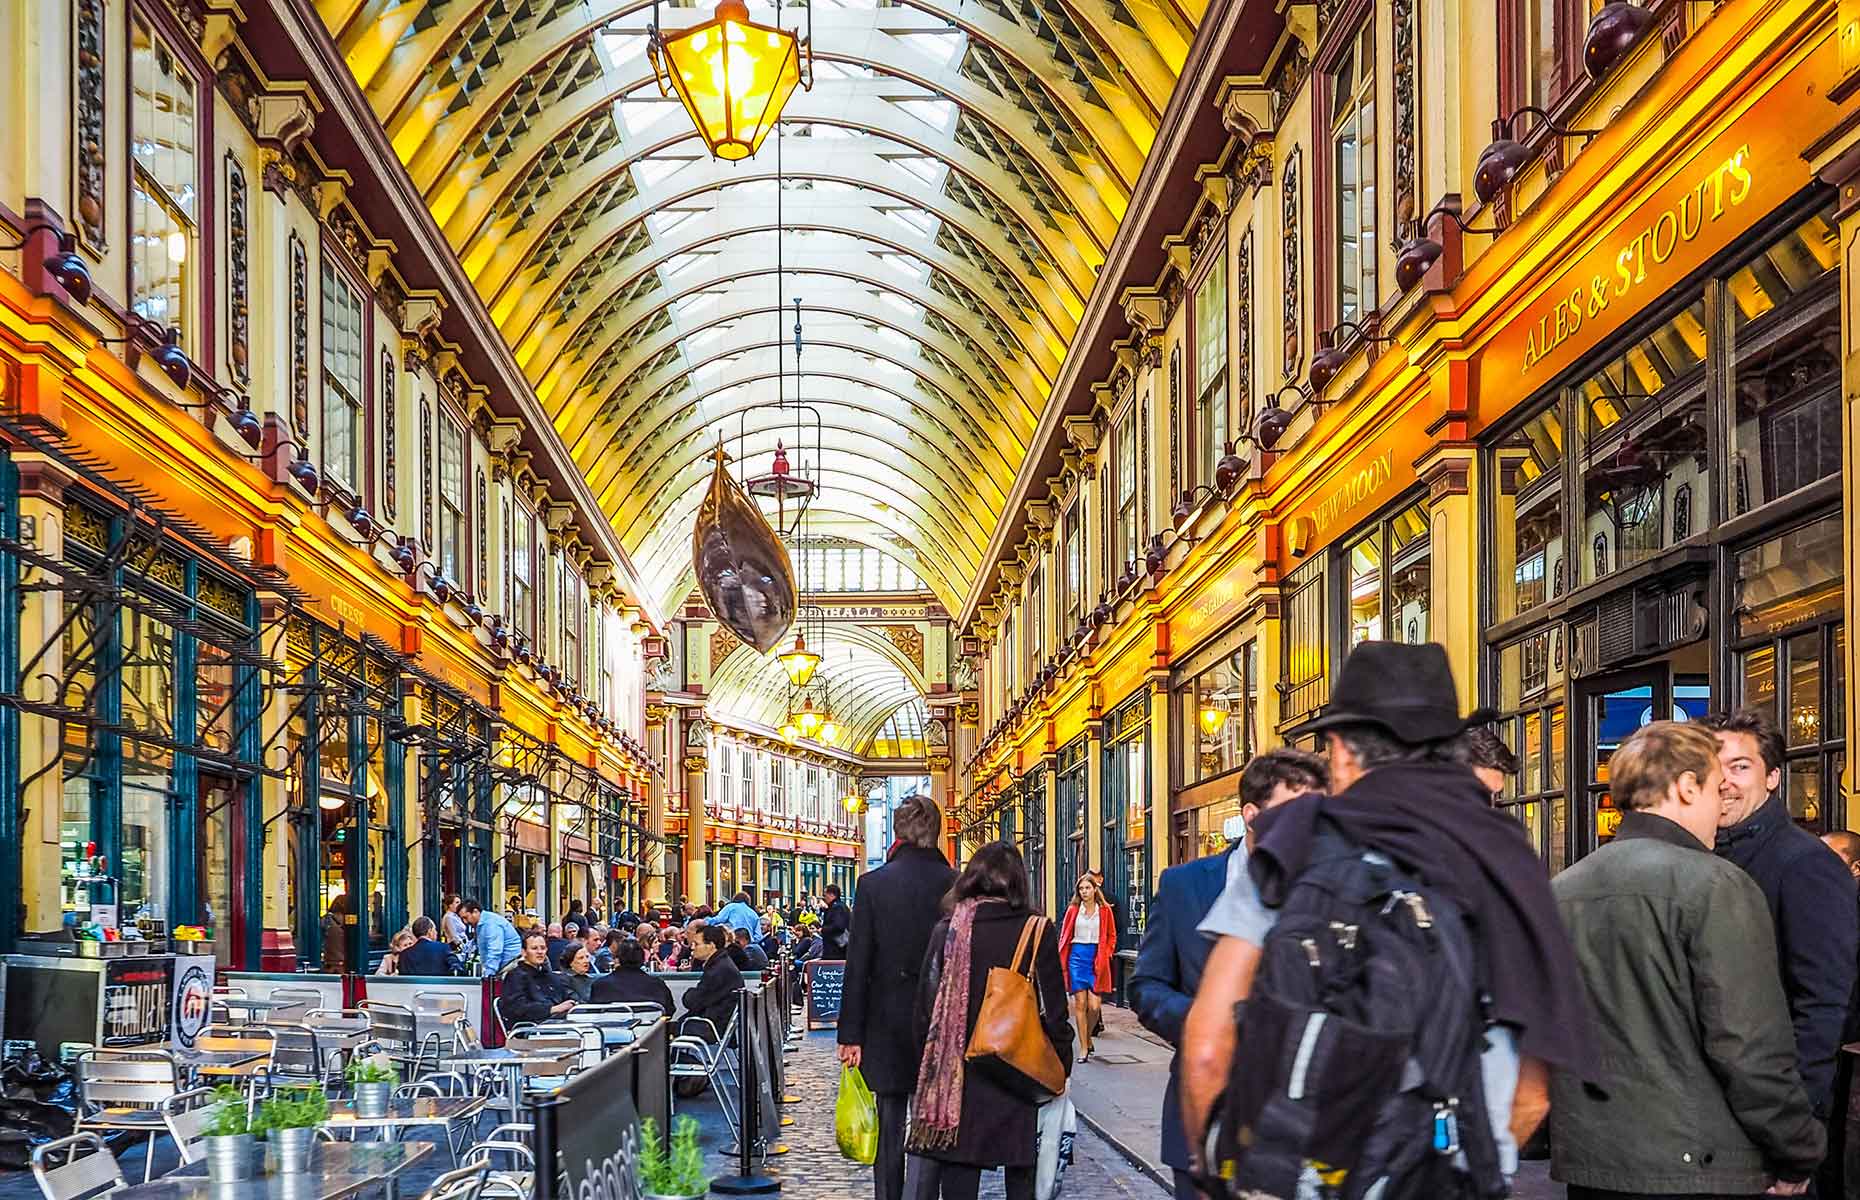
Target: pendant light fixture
x=733 y=76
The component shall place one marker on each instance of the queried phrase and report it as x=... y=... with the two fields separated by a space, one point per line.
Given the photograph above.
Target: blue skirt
x=1082 y=967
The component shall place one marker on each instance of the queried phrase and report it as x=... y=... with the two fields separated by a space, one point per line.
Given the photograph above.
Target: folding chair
x=396 y=1029
x=77 y=1177
x=708 y=1058
x=465 y=1183
x=510 y=1161
x=440 y=1086
x=123 y=1090
x=186 y=1114
x=298 y=1058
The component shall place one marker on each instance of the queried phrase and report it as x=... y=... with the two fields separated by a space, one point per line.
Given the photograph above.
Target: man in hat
x=1398 y=794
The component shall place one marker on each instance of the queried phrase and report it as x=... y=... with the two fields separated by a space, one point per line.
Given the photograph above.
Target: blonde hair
x=401 y=940
x=1642 y=768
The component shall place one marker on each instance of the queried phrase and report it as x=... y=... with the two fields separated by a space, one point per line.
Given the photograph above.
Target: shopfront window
x=1529 y=516
x=1217 y=716
x=1070 y=803
x=1642 y=416
x=147 y=650
x=1786 y=366
x=1532 y=701
x=1126 y=800
x=1787 y=615
x=1387 y=579
x=1306 y=648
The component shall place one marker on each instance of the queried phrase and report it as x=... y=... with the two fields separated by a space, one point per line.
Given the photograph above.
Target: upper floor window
x=1010 y=652
x=778 y=786
x=1125 y=447
x=523 y=570
x=1036 y=620
x=452 y=557
x=1353 y=169
x=574 y=613
x=164 y=180
x=1072 y=570
x=342 y=376
x=749 y=777
x=1210 y=317
x=1538 y=50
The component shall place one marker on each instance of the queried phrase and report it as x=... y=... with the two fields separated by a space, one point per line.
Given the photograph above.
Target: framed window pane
x=1353 y=148
x=1211 y=366
x=342 y=374
x=164 y=180
x=1527 y=517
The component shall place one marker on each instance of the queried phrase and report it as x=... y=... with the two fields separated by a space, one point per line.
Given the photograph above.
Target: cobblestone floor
x=813 y=1169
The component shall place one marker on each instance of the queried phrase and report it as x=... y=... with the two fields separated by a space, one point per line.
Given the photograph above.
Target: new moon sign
x=826 y=983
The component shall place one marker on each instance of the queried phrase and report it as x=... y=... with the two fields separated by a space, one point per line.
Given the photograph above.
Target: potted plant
x=675 y=1174
x=373 y=1077
x=232 y=1150
x=289 y=1122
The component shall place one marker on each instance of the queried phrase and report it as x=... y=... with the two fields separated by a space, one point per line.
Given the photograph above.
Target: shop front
x=1679 y=551
x=1214 y=693
x=1125 y=812
x=1071 y=817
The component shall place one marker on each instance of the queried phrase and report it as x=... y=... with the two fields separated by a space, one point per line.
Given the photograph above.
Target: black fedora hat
x=1406 y=690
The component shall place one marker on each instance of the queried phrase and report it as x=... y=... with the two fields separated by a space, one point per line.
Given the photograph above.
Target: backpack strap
x=1025 y=948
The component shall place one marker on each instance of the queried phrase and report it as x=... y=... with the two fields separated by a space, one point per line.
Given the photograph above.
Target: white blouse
x=1085 y=926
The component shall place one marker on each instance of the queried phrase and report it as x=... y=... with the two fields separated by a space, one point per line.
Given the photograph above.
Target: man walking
x=1700 y=1094
x=899 y=904
x=1170 y=961
x=1809 y=892
x=1401 y=806
x=835 y=923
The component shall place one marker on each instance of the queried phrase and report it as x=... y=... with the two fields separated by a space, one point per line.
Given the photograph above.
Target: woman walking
x=962 y=1120
x=1086 y=943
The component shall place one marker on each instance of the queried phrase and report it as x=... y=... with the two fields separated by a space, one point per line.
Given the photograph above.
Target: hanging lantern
x=807 y=718
x=1213 y=718
x=789 y=733
x=799 y=662
x=732 y=75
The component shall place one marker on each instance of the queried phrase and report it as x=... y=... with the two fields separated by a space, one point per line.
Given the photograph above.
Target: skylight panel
x=940 y=48
x=915 y=219
x=652 y=171
x=922 y=167
x=939 y=115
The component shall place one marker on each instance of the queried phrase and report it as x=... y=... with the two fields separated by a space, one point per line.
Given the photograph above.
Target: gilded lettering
x=1740 y=174
x=1693 y=202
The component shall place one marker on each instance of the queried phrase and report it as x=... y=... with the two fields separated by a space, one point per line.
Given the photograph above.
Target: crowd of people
x=1377 y=990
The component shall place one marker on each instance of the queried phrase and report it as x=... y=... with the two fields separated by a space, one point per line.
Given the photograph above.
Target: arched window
x=1682 y=512
x=1601 y=555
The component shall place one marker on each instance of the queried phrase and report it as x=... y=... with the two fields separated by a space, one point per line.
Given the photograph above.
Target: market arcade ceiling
x=948 y=191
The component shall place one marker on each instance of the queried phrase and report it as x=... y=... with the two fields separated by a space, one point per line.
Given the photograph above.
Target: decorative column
x=41 y=516
x=697 y=743
x=652 y=887
x=1841 y=167
x=1453 y=569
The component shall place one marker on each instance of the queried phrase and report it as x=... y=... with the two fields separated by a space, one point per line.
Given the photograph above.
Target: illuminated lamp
x=732 y=75
x=500 y=633
x=474 y=612
x=1612 y=33
x=524 y=653
x=403 y=556
x=172 y=359
x=807 y=719
x=329 y=801
x=1273 y=420
x=441 y=588
x=1500 y=162
x=829 y=730
x=1213 y=718
x=64 y=264
x=1414 y=259
x=789 y=733
x=1154 y=555
x=799 y=662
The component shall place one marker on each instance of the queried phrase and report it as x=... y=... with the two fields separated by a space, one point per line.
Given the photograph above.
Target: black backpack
x=1356 y=1072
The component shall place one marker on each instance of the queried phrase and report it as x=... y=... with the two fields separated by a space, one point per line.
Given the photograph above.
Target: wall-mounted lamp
x=65 y=264
x=1274 y=420
x=1613 y=30
x=1329 y=359
x=1500 y=162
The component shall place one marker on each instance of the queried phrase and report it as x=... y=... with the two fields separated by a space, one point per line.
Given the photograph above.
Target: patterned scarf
x=936 y=1111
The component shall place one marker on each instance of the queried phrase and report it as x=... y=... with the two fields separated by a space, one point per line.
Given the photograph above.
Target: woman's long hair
x=995 y=872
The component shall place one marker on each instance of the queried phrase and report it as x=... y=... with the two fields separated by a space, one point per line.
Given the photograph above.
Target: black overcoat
x=997 y=1127
x=898 y=906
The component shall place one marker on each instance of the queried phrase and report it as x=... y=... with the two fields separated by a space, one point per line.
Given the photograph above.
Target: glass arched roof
x=949 y=188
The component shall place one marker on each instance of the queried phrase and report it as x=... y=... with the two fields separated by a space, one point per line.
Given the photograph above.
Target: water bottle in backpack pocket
x=1356 y=1071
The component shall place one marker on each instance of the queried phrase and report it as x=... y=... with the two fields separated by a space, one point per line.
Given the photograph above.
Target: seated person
x=629 y=983
x=714 y=996
x=428 y=955
x=749 y=956
x=532 y=992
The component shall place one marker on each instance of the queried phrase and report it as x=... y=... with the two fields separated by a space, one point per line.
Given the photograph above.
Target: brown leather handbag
x=1009 y=1043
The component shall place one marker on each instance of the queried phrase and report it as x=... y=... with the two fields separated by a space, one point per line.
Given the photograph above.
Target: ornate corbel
x=1082 y=432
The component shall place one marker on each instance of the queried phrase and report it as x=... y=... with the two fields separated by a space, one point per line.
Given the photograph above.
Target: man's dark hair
x=617 y=938
x=740 y=898
x=995 y=871
x=1481 y=746
x=629 y=955
x=1297 y=769
x=470 y=905
x=833 y=890
x=1375 y=746
x=421 y=926
x=918 y=821
x=1755 y=724
x=742 y=937
x=717 y=935
x=533 y=934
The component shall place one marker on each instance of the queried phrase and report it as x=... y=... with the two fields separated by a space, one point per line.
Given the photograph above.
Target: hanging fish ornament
x=742 y=568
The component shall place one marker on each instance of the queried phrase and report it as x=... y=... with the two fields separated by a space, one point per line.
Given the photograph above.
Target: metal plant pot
x=371 y=1099
x=292 y=1149
x=663 y=1196
x=233 y=1158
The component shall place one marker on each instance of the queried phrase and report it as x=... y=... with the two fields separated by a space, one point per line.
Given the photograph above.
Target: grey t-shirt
x=1240 y=913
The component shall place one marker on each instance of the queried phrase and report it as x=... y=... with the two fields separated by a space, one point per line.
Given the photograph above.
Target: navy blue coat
x=899 y=904
x=427 y=957
x=1811 y=899
x=1168 y=972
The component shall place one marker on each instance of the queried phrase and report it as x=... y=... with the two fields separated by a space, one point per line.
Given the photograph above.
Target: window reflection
x=1528 y=520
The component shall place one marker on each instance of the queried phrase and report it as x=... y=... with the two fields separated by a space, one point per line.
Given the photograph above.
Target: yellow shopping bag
x=855 y=1117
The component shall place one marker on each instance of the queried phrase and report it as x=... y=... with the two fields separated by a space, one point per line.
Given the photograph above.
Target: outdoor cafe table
x=337 y=1170
x=254 y=1008
x=405 y=1113
x=237 y=1057
x=515 y=1067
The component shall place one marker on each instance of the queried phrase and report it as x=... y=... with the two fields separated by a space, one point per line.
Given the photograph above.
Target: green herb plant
x=292 y=1108
x=229 y=1117
x=678 y=1172
x=374 y=1068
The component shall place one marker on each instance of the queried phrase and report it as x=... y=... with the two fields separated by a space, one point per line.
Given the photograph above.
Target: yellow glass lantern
x=829 y=730
x=1213 y=719
x=799 y=662
x=807 y=718
x=789 y=733
x=732 y=75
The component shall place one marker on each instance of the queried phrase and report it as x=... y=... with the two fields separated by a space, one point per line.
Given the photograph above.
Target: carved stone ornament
x=1406 y=203
x=910 y=642
x=300 y=343
x=936 y=734
x=1243 y=341
x=723 y=643
x=484 y=534
x=1291 y=268
x=510 y=557
x=742 y=568
x=426 y=476
x=1175 y=422
x=390 y=437
x=91 y=135
x=238 y=280
x=1253 y=170
x=1287 y=79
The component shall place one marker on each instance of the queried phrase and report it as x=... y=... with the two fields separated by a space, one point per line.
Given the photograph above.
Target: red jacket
x=1107 y=946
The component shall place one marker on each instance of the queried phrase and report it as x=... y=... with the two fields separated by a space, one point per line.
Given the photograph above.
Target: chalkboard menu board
x=826 y=981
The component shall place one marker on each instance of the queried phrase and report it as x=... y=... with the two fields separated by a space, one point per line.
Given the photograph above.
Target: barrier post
x=746 y=1182
x=548 y=1170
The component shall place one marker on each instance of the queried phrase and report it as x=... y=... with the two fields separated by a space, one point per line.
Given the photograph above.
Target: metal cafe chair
x=217 y=1009
x=443 y=1085
x=123 y=1090
x=510 y=1161
x=436 y=1011
x=297 y=1058
x=221 y=1037
x=697 y=1057
x=397 y=1031
x=292 y=1003
x=87 y=1168
x=186 y=1114
x=464 y=1183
